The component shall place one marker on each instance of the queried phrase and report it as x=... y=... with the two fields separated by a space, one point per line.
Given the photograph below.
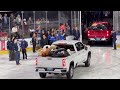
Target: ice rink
x=105 y=64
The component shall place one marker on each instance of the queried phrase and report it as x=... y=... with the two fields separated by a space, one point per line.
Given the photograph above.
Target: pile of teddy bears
x=46 y=50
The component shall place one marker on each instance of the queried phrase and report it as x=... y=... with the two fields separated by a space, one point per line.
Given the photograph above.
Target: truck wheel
x=42 y=75
x=70 y=73
x=87 y=63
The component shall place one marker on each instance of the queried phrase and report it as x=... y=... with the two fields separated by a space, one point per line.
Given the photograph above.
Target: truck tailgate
x=50 y=62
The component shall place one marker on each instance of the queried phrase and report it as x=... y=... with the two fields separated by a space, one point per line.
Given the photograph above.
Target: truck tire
x=70 y=73
x=42 y=75
x=87 y=63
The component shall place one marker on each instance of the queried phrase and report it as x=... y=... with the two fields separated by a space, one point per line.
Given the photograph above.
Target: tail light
x=36 y=61
x=63 y=62
x=107 y=31
x=88 y=31
x=88 y=34
x=107 y=34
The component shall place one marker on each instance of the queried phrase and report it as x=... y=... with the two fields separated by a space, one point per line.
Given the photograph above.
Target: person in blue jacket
x=52 y=38
x=24 y=45
x=56 y=34
x=61 y=36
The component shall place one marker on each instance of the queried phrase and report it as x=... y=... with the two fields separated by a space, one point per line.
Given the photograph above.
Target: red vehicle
x=99 y=31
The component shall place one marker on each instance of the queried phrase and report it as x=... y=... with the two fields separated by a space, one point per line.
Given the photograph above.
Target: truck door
x=80 y=52
x=83 y=51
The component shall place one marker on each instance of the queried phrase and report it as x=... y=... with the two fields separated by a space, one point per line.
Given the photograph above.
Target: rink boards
x=3 y=46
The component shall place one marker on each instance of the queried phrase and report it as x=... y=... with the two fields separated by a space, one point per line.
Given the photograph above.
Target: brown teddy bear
x=45 y=50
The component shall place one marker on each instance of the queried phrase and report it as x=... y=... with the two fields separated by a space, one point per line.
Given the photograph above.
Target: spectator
x=62 y=27
x=24 y=45
x=14 y=29
x=12 y=17
x=17 y=51
x=25 y=25
x=43 y=32
x=48 y=36
x=52 y=30
x=30 y=22
x=67 y=29
x=5 y=20
x=14 y=23
x=1 y=19
x=61 y=35
x=44 y=41
x=38 y=21
x=9 y=48
x=39 y=31
x=114 y=39
x=52 y=38
x=34 y=42
x=76 y=33
x=18 y=20
x=56 y=34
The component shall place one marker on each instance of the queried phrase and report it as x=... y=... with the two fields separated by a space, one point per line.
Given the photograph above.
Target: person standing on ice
x=114 y=39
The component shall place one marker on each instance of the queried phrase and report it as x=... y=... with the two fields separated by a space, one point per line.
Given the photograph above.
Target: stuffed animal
x=53 y=47
x=40 y=51
x=45 y=50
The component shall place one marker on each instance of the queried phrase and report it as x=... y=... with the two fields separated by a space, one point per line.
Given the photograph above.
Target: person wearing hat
x=114 y=39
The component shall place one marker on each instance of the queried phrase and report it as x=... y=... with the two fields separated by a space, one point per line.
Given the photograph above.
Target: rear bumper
x=98 y=39
x=55 y=70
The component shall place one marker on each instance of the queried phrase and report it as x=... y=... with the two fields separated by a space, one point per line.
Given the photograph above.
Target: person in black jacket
x=114 y=40
x=34 y=42
x=10 y=48
x=24 y=45
x=76 y=33
x=44 y=41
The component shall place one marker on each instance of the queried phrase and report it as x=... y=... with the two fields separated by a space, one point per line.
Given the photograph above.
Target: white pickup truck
x=65 y=59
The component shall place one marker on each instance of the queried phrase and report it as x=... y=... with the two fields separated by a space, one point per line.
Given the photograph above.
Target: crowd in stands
x=47 y=37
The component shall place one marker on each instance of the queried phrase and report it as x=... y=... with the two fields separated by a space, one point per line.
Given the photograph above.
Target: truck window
x=60 y=53
x=79 y=46
x=98 y=27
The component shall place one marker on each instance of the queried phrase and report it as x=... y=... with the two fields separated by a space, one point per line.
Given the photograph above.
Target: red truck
x=99 y=31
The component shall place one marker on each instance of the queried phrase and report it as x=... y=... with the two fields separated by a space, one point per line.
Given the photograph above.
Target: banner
x=3 y=45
